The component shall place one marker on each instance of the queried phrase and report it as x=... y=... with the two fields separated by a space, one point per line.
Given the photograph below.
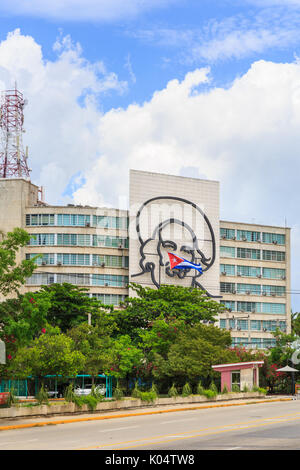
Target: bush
x=209 y=393
x=200 y=389
x=148 y=396
x=225 y=389
x=213 y=387
x=95 y=393
x=42 y=396
x=186 y=391
x=136 y=391
x=262 y=390
x=173 y=392
x=245 y=389
x=69 y=394
x=235 y=388
x=154 y=389
x=90 y=401
x=118 y=393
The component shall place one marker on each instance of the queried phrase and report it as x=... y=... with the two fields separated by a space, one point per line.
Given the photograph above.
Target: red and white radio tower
x=13 y=159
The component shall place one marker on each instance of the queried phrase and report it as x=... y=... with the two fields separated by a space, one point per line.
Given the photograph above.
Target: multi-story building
x=255 y=282
x=95 y=248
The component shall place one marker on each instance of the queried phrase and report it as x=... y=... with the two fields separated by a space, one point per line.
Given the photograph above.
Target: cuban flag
x=181 y=263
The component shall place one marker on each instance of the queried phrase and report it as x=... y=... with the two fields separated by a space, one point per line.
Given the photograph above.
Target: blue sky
x=207 y=88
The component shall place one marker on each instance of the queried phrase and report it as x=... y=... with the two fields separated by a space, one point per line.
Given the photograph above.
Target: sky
x=201 y=88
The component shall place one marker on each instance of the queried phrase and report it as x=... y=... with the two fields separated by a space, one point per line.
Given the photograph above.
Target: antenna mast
x=13 y=159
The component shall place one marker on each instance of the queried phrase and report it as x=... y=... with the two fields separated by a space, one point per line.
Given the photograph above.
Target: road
x=263 y=426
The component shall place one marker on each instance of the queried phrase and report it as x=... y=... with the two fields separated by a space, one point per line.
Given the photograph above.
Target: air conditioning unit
x=238 y=274
x=95 y=263
x=273 y=294
x=264 y=329
x=106 y=284
x=247 y=292
x=233 y=292
x=253 y=311
x=283 y=278
x=120 y=246
x=223 y=273
x=233 y=238
x=102 y=265
x=44 y=263
x=230 y=327
x=259 y=276
x=59 y=263
x=224 y=237
x=244 y=239
x=87 y=224
x=264 y=293
x=275 y=242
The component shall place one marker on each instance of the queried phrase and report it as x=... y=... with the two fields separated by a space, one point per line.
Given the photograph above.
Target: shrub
x=90 y=401
x=235 y=388
x=186 y=391
x=245 y=388
x=148 y=396
x=173 y=392
x=136 y=391
x=118 y=393
x=69 y=394
x=200 y=389
x=225 y=389
x=209 y=393
x=154 y=389
x=95 y=393
x=42 y=396
x=213 y=387
x=262 y=390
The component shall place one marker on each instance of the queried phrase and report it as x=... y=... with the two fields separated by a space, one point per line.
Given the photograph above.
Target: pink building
x=241 y=374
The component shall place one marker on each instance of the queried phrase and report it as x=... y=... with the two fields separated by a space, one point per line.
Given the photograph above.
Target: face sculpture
x=176 y=236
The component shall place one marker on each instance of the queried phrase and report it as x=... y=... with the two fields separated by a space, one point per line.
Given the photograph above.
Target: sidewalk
x=23 y=423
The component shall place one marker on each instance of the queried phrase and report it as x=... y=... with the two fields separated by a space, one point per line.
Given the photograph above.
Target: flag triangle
x=174 y=260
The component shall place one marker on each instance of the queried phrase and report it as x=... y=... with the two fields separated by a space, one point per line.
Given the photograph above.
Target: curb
x=142 y=413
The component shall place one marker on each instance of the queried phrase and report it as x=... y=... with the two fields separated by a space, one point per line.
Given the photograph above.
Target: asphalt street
x=263 y=426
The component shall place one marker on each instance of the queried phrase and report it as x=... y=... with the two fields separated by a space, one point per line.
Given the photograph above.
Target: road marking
x=118 y=429
x=200 y=433
x=178 y=421
x=233 y=448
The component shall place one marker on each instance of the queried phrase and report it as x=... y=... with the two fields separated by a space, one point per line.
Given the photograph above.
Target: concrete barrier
x=18 y=411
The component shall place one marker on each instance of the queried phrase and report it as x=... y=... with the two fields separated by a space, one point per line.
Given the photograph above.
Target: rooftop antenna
x=13 y=159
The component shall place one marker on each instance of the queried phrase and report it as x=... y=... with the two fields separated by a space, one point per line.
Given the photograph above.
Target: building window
x=109 y=241
x=235 y=380
x=273 y=308
x=73 y=220
x=227 y=252
x=273 y=273
x=249 y=236
x=40 y=239
x=252 y=307
x=255 y=325
x=111 y=261
x=109 y=280
x=227 y=269
x=248 y=253
x=227 y=233
x=110 y=299
x=248 y=271
x=229 y=305
x=273 y=290
x=39 y=219
x=104 y=221
x=227 y=287
x=275 y=238
x=249 y=289
x=269 y=255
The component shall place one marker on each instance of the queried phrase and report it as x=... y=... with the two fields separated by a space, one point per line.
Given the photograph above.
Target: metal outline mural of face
x=193 y=251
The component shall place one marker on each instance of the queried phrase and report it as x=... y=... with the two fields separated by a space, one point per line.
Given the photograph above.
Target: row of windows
x=251 y=289
x=259 y=343
x=253 y=307
x=77 y=220
x=249 y=253
x=252 y=325
x=251 y=236
x=252 y=271
x=79 y=259
x=107 y=280
x=73 y=239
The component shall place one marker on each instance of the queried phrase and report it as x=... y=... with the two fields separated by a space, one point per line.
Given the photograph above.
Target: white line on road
x=118 y=429
x=234 y=448
x=178 y=420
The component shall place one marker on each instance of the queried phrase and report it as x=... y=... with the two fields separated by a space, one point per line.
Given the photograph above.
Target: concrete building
x=245 y=266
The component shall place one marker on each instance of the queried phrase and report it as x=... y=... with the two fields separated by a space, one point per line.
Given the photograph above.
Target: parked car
x=87 y=389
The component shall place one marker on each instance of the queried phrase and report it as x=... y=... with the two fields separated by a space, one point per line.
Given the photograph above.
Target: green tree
x=51 y=353
x=70 y=305
x=96 y=346
x=12 y=274
x=169 y=302
x=193 y=353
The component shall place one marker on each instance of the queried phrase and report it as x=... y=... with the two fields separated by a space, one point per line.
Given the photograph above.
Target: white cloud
x=82 y=10
x=62 y=115
x=246 y=136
